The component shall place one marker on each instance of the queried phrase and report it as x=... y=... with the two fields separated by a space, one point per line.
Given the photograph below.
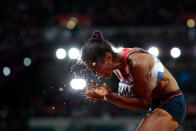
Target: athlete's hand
x=99 y=93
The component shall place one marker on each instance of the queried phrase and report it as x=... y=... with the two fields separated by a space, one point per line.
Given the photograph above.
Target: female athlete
x=144 y=83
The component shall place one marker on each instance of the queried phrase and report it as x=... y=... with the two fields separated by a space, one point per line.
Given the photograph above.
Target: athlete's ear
x=108 y=58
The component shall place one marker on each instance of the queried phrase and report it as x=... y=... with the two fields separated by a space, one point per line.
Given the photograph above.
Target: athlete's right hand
x=99 y=93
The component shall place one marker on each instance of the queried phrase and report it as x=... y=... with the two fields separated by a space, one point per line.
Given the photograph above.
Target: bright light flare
x=6 y=71
x=175 y=52
x=71 y=24
x=190 y=23
x=78 y=84
x=60 y=53
x=27 y=61
x=74 y=53
x=117 y=49
x=154 y=51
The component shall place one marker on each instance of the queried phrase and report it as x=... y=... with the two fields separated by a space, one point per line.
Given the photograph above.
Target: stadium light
x=27 y=61
x=117 y=49
x=154 y=51
x=78 y=84
x=74 y=53
x=175 y=52
x=60 y=53
x=72 y=23
x=6 y=71
x=190 y=23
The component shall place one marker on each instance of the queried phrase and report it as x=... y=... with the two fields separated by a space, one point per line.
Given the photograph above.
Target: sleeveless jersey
x=126 y=81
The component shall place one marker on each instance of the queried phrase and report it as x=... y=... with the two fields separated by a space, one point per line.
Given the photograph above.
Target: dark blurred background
x=35 y=90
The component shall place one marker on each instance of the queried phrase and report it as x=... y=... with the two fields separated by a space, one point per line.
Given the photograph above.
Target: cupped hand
x=99 y=93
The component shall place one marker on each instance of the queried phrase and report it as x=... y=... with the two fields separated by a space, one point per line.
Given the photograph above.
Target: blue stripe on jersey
x=159 y=77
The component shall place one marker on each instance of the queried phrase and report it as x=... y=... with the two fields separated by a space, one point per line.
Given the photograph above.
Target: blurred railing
x=92 y=124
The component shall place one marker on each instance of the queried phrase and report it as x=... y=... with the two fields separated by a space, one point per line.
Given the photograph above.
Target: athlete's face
x=101 y=68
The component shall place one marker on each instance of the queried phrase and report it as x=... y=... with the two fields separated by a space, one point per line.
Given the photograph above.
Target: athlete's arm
x=139 y=69
x=128 y=103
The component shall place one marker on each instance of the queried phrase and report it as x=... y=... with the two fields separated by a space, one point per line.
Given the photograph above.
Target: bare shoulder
x=140 y=59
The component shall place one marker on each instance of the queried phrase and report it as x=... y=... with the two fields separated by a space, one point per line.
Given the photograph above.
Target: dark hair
x=95 y=48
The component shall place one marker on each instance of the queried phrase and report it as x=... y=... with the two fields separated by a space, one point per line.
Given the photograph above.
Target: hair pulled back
x=95 y=48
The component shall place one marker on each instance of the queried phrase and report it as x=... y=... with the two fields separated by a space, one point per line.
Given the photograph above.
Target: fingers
x=88 y=89
x=98 y=93
x=93 y=95
x=106 y=87
x=90 y=92
x=95 y=84
x=90 y=98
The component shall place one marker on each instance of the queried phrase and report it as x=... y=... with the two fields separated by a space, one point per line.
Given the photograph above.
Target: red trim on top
x=170 y=98
x=126 y=50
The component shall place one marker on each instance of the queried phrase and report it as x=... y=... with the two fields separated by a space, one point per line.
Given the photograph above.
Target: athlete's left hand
x=99 y=93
